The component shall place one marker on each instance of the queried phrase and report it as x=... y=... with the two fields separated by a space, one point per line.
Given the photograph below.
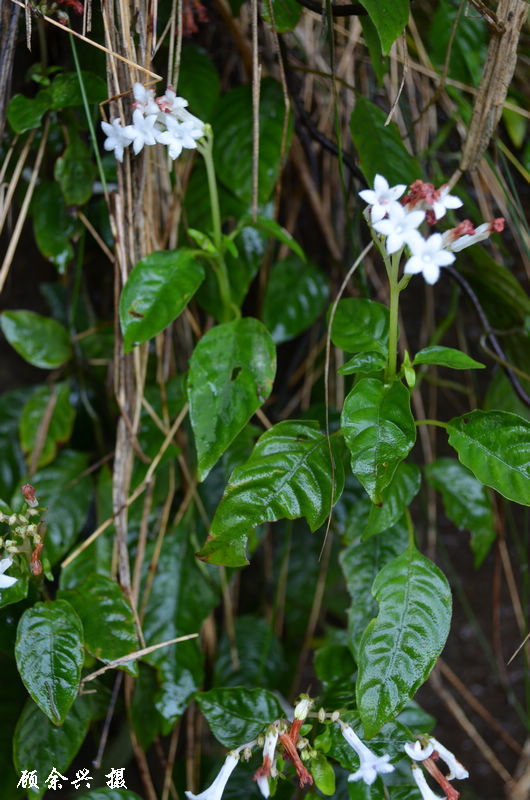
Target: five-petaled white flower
x=177 y=136
x=145 y=99
x=142 y=131
x=118 y=137
x=415 y=750
x=6 y=580
x=399 y=227
x=426 y=791
x=216 y=789
x=443 y=201
x=428 y=255
x=381 y=197
x=371 y=764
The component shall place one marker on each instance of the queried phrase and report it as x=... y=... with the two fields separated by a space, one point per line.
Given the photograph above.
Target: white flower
x=399 y=227
x=426 y=791
x=145 y=99
x=142 y=131
x=117 y=137
x=371 y=764
x=5 y=580
x=381 y=197
x=428 y=255
x=215 y=791
x=456 y=770
x=262 y=774
x=177 y=136
x=170 y=103
x=417 y=752
x=443 y=200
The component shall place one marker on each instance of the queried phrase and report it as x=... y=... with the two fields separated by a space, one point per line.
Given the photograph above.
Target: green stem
x=392 y=270
x=436 y=422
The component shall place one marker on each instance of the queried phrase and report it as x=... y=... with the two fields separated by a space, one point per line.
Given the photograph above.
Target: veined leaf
x=361 y=326
x=238 y=715
x=40 y=341
x=446 y=357
x=397 y=496
x=389 y=18
x=288 y=475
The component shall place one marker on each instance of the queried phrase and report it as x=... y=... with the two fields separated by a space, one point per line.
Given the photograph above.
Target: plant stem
x=392 y=270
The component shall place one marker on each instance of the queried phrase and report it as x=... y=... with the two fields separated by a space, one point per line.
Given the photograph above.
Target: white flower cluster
x=163 y=119
x=399 y=221
x=431 y=750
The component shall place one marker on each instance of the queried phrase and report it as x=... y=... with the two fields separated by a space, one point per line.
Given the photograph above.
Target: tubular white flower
x=443 y=201
x=426 y=791
x=399 y=227
x=216 y=789
x=428 y=255
x=381 y=197
x=264 y=772
x=142 y=131
x=456 y=770
x=415 y=751
x=6 y=580
x=371 y=764
x=117 y=139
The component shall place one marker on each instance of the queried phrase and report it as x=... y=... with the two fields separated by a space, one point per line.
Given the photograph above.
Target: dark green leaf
x=466 y=502
x=40 y=341
x=40 y=746
x=25 y=113
x=295 y=295
x=65 y=90
x=59 y=426
x=323 y=774
x=75 y=172
x=286 y=14
x=260 y=656
x=288 y=475
x=495 y=446
x=397 y=496
x=373 y=42
x=270 y=226
x=158 y=289
x=467 y=49
x=238 y=715
x=399 y=648
x=446 y=357
x=107 y=619
x=52 y=224
x=361 y=326
x=380 y=148
x=501 y=397
x=379 y=431
x=231 y=375
x=389 y=17
x=198 y=81
x=49 y=653
x=364 y=362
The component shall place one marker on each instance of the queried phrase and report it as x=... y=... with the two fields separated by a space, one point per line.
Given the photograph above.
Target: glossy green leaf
x=495 y=446
x=40 y=341
x=66 y=92
x=288 y=475
x=271 y=228
x=379 y=431
x=233 y=145
x=238 y=715
x=466 y=502
x=39 y=745
x=231 y=374
x=400 y=647
x=25 y=113
x=60 y=425
x=364 y=362
x=158 y=289
x=12 y=466
x=361 y=561
x=49 y=653
x=361 y=326
x=380 y=148
x=260 y=656
x=198 y=81
x=295 y=295
x=397 y=496
x=389 y=18
x=75 y=172
x=107 y=618
x=446 y=357
x=286 y=14
x=323 y=775
x=52 y=224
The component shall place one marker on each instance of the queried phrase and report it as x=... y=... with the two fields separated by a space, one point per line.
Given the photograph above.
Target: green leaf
x=198 y=81
x=495 y=446
x=49 y=653
x=446 y=357
x=288 y=475
x=75 y=172
x=295 y=295
x=399 y=648
x=231 y=375
x=397 y=496
x=373 y=42
x=66 y=92
x=271 y=228
x=467 y=49
x=233 y=144
x=60 y=424
x=110 y=794
x=25 y=113
x=40 y=341
x=380 y=148
x=389 y=18
x=39 y=745
x=323 y=774
x=466 y=503
x=53 y=225
x=107 y=619
x=286 y=14
x=158 y=289
x=379 y=431
x=238 y=715
x=361 y=561
x=364 y=362
x=260 y=656
x=361 y=326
